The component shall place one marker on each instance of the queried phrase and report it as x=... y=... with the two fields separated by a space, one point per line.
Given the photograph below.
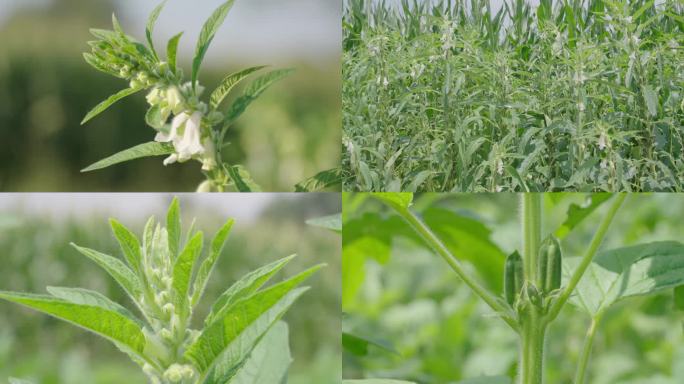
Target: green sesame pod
x=513 y=277
x=550 y=263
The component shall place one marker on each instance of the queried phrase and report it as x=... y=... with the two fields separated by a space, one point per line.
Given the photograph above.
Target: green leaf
x=183 y=268
x=129 y=243
x=469 y=239
x=358 y=345
x=172 y=51
x=208 y=264
x=576 y=213
x=149 y=149
x=108 y=103
x=242 y=179
x=207 y=35
x=320 y=181
x=269 y=361
x=173 y=227
x=151 y=21
x=679 y=298
x=624 y=272
x=87 y=297
x=397 y=200
x=117 y=269
x=246 y=286
x=228 y=83
x=253 y=91
x=148 y=234
x=332 y=222
x=106 y=323
x=651 y=98
x=222 y=337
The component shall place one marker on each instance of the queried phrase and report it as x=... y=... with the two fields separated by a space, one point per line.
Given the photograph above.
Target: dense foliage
x=582 y=95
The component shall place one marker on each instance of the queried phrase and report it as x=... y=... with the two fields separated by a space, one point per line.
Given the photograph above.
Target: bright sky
x=134 y=207
x=271 y=30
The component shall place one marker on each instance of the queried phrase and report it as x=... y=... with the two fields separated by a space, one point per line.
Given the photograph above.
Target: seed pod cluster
x=513 y=277
x=550 y=263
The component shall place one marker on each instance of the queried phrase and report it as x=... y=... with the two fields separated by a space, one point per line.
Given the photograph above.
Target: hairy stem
x=531 y=225
x=581 y=375
x=433 y=241
x=532 y=339
x=588 y=256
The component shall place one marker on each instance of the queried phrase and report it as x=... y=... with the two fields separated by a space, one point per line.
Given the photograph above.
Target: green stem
x=532 y=339
x=588 y=257
x=433 y=241
x=531 y=225
x=581 y=375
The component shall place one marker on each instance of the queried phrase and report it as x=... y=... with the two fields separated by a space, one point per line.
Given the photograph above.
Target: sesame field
x=575 y=95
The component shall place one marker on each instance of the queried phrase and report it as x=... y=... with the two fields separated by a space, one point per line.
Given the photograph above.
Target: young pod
x=550 y=263
x=513 y=277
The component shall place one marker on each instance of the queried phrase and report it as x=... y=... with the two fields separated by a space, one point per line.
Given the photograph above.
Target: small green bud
x=533 y=295
x=215 y=117
x=136 y=84
x=513 y=277
x=550 y=265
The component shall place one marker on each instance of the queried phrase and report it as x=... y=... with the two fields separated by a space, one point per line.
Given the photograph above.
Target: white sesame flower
x=499 y=188
x=602 y=141
x=209 y=158
x=581 y=107
x=608 y=17
x=385 y=82
x=499 y=167
x=185 y=135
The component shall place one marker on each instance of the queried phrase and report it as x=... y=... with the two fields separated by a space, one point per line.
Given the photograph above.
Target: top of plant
x=165 y=278
x=188 y=126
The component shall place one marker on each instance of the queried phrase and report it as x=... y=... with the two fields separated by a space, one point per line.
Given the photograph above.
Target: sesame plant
x=241 y=339
x=540 y=278
x=188 y=126
x=572 y=95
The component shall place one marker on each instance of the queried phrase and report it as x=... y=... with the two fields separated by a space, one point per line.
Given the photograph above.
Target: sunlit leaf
x=207 y=35
x=269 y=361
x=149 y=149
x=228 y=83
x=106 y=323
x=108 y=103
x=624 y=272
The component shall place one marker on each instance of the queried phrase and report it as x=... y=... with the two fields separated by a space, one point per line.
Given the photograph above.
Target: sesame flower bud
x=168 y=308
x=176 y=373
x=166 y=334
x=209 y=158
x=162 y=67
x=205 y=187
x=155 y=96
x=136 y=84
x=174 y=100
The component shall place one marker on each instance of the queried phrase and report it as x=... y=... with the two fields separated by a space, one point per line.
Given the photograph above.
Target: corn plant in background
x=241 y=340
x=187 y=126
x=584 y=95
x=541 y=278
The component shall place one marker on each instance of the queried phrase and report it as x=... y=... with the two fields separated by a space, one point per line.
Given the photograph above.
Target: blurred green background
x=46 y=88
x=35 y=231
x=397 y=292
